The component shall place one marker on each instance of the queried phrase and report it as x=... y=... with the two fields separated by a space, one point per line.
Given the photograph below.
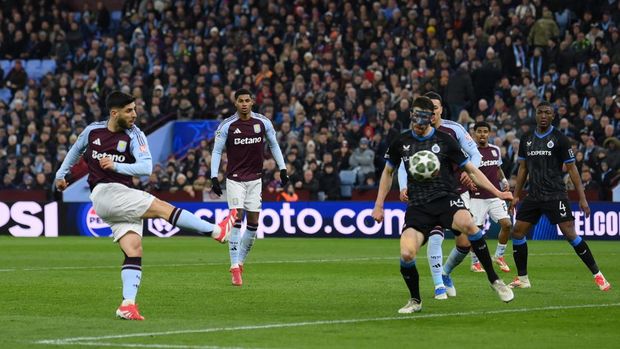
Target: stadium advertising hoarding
x=336 y=219
x=300 y=219
x=29 y=219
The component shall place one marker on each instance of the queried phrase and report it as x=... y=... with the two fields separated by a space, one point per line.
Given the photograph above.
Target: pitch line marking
x=295 y=261
x=93 y=340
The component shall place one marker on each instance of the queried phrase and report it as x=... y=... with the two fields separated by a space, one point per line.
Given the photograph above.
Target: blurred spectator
x=289 y=194
x=310 y=184
x=17 y=77
x=362 y=160
x=329 y=182
x=327 y=82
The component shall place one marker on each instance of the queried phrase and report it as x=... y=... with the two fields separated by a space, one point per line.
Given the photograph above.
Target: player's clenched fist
x=106 y=163
x=377 y=214
x=61 y=184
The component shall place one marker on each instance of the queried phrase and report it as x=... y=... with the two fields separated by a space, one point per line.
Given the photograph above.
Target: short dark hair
x=423 y=102
x=544 y=104
x=241 y=92
x=434 y=96
x=482 y=124
x=118 y=99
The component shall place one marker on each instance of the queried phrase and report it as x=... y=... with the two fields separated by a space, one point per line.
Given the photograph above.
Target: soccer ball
x=423 y=165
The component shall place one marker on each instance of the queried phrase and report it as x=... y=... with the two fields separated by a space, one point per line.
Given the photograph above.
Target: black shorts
x=439 y=212
x=557 y=211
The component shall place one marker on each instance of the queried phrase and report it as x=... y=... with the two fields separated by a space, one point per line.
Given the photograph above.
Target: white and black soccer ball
x=424 y=165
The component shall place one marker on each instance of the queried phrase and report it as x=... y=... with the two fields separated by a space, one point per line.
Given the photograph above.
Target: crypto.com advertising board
x=302 y=219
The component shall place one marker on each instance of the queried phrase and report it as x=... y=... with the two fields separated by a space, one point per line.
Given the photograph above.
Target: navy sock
x=583 y=251
x=519 y=252
x=479 y=245
x=412 y=279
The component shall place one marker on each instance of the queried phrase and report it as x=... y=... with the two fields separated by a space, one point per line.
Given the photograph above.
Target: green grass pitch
x=297 y=293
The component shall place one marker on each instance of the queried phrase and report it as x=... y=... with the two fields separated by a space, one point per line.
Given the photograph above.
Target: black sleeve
x=522 y=145
x=565 y=150
x=393 y=155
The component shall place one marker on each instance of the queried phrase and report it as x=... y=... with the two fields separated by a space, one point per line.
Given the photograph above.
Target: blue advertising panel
x=337 y=219
x=602 y=224
x=188 y=134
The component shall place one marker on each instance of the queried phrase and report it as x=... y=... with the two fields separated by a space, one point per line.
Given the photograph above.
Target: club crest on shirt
x=494 y=152
x=435 y=148
x=256 y=128
x=550 y=144
x=121 y=146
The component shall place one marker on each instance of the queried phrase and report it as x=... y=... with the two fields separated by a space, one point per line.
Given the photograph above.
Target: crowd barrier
x=278 y=219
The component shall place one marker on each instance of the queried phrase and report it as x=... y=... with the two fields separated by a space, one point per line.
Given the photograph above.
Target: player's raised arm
x=72 y=157
x=482 y=181
x=140 y=151
x=455 y=153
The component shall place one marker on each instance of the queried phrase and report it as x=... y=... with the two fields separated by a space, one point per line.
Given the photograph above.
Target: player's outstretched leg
x=583 y=251
x=186 y=220
x=435 y=258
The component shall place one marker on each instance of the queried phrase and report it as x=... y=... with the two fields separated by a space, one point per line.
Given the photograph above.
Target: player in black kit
x=542 y=154
x=434 y=202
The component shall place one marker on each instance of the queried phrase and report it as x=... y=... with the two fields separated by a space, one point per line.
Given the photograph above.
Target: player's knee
x=463 y=249
x=517 y=234
x=407 y=256
x=133 y=251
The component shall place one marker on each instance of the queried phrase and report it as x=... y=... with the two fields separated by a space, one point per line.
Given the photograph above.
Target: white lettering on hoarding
x=361 y=223
x=25 y=216
x=345 y=212
x=598 y=224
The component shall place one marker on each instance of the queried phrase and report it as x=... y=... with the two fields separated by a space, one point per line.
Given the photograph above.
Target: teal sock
x=246 y=242
x=455 y=258
x=501 y=249
x=186 y=220
x=435 y=257
x=474 y=259
x=233 y=244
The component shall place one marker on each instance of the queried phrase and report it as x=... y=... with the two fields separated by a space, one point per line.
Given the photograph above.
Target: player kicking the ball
x=433 y=202
x=483 y=202
x=116 y=150
x=244 y=135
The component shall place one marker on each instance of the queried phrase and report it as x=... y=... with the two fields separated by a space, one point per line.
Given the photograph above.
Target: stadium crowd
x=336 y=78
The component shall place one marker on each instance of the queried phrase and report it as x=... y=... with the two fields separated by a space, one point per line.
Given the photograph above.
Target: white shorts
x=495 y=207
x=121 y=207
x=466 y=200
x=244 y=195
